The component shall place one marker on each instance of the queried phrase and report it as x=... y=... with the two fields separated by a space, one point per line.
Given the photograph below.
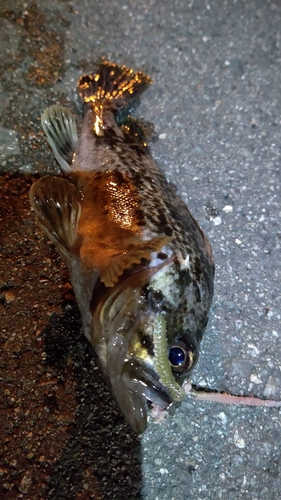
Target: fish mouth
x=141 y=379
x=137 y=379
x=153 y=380
x=134 y=383
x=138 y=384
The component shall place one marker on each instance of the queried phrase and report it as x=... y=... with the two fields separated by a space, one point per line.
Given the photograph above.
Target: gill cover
x=134 y=375
x=113 y=327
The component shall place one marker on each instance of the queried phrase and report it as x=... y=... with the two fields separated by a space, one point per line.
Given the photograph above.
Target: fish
x=141 y=268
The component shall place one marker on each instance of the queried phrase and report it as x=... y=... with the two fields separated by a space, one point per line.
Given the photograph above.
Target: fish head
x=143 y=359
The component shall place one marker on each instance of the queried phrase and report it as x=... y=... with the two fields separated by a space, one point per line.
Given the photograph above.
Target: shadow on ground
x=101 y=447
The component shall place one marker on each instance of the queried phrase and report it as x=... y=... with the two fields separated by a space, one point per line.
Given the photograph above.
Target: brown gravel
x=62 y=436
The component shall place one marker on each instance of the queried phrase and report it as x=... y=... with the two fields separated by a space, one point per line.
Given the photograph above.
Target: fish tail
x=117 y=84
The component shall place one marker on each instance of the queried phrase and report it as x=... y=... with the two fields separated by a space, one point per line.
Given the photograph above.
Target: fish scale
x=141 y=268
x=144 y=173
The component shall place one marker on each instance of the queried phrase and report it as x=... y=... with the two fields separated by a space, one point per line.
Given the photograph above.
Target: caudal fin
x=114 y=83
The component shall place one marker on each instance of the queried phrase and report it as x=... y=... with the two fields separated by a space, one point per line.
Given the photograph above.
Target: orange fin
x=114 y=265
x=56 y=203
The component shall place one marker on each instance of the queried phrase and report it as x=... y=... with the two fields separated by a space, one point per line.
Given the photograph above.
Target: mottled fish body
x=141 y=268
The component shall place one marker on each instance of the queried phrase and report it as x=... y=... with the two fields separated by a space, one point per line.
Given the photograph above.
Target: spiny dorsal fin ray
x=60 y=128
x=56 y=203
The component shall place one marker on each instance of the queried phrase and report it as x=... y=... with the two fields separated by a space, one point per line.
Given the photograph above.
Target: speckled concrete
x=216 y=106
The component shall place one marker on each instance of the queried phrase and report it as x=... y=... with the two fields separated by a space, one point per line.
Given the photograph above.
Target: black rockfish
x=141 y=268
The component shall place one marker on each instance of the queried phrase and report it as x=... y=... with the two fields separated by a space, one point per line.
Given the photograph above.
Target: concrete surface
x=216 y=106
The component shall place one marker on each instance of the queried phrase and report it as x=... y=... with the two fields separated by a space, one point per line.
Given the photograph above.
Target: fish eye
x=181 y=356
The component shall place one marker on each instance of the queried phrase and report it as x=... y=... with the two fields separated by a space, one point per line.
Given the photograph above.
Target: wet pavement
x=216 y=107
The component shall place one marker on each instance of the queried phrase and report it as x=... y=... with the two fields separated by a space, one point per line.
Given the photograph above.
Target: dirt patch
x=62 y=436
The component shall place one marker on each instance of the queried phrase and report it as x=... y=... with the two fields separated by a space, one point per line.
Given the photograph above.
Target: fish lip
x=139 y=377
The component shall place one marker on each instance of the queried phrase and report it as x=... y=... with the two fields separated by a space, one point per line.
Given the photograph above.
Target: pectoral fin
x=59 y=126
x=112 y=266
x=56 y=203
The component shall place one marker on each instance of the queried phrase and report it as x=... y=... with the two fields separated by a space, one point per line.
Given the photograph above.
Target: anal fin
x=56 y=203
x=60 y=128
